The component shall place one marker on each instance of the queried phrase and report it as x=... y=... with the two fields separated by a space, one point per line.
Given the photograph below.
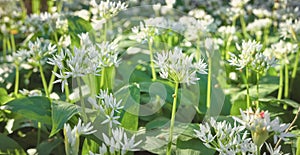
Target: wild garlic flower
x=72 y=135
x=109 y=53
x=282 y=50
x=143 y=33
x=162 y=23
x=261 y=13
x=259 y=25
x=261 y=126
x=109 y=106
x=78 y=64
x=272 y=151
x=106 y=9
x=290 y=29
x=245 y=58
x=261 y=63
x=119 y=142
x=195 y=28
x=200 y=14
x=238 y=3
x=226 y=31
x=225 y=138
x=178 y=67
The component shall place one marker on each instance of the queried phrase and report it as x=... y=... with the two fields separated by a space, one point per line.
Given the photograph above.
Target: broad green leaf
x=283 y=101
x=89 y=145
x=9 y=145
x=61 y=113
x=237 y=105
x=35 y=108
x=46 y=147
x=4 y=98
x=130 y=96
x=193 y=145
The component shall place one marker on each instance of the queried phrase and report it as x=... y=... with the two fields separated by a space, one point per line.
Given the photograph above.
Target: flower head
x=178 y=67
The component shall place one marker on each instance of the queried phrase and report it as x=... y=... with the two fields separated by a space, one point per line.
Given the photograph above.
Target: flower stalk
x=169 y=147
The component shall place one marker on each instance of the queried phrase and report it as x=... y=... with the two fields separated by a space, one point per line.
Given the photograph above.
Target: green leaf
x=34 y=108
x=9 y=145
x=193 y=145
x=77 y=26
x=4 y=98
x=47 y=146
x=283 y=101
x=130 y=96
x=61 y=113
x=89 y=145
x=237 y=105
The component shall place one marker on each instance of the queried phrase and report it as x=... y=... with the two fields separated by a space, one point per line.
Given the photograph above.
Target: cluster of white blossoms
x=261 y=126
x=178 y=67
x=261 y=13
x=118 y=143
x=226 y=31
x=144 y=33
x=252 y=56
x=46 y=23
x=237 y=8
x=90 y=58
x=109 y=106
x=225 y=138
x=258 y=25
x=106 y=9
x=162 y=23
x=290 y=28
x=282 y=50
x=196 y=27
x=72 y=135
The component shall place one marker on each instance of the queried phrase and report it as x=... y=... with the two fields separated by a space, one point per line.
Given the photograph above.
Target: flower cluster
x=10 y=17
x=106 y=9
x=72 y=135
x=282 y=50
x=251 y=56
x=119 y=142
x=261 y=126
x=290 y=29
x=109 y=106
x=144 y=33
x=178 y=67
x=225 y=138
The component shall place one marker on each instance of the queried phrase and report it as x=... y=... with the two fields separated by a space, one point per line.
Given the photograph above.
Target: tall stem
x=169 y=147
x=39 y=133
x=151 y=61
x=294 y=72
x=13 y=44
x=243 y=23
x=81 y=100
x=4 y=48
x=257 y=89
x=258 y=150
x=50 y=87
x=43 y=80
x=247 y=87
x=17 y=80
x=286 y=80
x=102 y=78
x=280 y=81
x=208 y=98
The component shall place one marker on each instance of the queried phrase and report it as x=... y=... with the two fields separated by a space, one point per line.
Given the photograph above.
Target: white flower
x=277 y=151
x=258 y=25
x=178 y=67
x=289 y=28
x=226 y=31
x=84 y=129
x=246 y=56
x=260 y=13
x=109 y=54
x=281 y=50
x=120 y=142
x=143 y=33
x=106 y=9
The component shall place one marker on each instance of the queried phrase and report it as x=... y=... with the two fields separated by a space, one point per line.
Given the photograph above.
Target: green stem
x=266 y=35
x=151 y=61
x=67 y=93
x=43 y=80
x=247 y=87
x=286 y=80
x=228 y=43
x=24 y=10
x=208 y=100
x=294 y=72
x=169 y=147
x=39 y=133
x=17 y=80
x=257 y=150
x=105 y=30
x=243 y=23
x=102 y=78
x=36 y=6
x=81 y=100
x=13 y=44
x=50 y=87
x=4 y=48
x=8 y=44
x=280 y=82
x=257 y=90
